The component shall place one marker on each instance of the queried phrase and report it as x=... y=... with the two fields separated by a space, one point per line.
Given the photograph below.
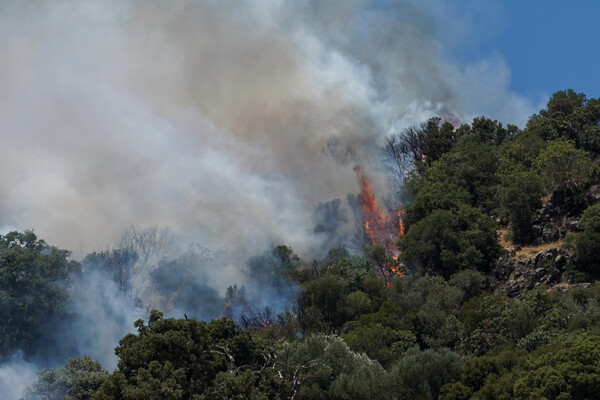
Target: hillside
x=481 y=285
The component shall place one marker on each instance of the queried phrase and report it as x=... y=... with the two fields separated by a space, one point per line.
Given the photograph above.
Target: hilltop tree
x=419 y=145
x=569 y=116
x=563 y=166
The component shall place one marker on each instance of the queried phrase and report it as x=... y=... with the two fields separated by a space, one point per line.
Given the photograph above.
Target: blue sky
x=548 y=45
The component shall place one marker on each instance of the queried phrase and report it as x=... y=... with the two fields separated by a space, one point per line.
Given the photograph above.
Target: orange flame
x=381 y=228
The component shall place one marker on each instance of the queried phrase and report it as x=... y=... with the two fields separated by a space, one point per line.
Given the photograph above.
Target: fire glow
x=382 y=228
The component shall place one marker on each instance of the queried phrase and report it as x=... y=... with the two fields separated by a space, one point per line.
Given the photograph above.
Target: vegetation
x=349 y=330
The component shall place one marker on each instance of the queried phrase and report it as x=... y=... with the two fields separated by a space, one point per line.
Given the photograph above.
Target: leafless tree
x=151 y=244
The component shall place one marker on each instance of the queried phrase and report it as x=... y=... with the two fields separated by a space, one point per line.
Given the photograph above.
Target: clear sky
x=548 y=45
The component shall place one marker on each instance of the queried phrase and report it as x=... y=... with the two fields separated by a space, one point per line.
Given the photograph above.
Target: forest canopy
x=492 y=291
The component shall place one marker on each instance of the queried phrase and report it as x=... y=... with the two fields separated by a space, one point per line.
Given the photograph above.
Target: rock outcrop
x=512 y=276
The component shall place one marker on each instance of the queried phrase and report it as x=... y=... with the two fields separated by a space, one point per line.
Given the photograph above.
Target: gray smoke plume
x=227 y=121
x=211 y=117
x=15 y=375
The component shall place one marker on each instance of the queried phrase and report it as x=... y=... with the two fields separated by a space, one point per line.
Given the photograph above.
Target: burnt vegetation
x=460 y=322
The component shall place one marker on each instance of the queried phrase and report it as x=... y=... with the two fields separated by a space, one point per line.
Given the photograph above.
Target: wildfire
x=382 y=228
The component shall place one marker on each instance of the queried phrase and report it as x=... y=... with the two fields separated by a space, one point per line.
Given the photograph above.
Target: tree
x=78 y=379
x=118 y=262
x=563 y=166
x=445 y=242
x=435 y=195
x=150 y=244
x=485 y=130
x=178 y=358
x=471 y=166
x=181 y=284
x=419 y=146
x=420 y=374
x=586 y=244
x=520 y=195
x=569 y=370
x=569 y=116
x=334 y=371
x=33 y=294
x=323 y=304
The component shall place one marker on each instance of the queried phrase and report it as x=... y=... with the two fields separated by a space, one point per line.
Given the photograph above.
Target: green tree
x=562 y=166
x=178 y=359
x=520 y=195
x=471 y=166
x=421 y=374
x=419 y=146
x=446 y=242
x=485 y=130
x=586 y=244
x=323 y=304
x=433 y=196
x=569 y=116
x=569 y=370
x=78 y=379
x=333 y=371
x=33 y=293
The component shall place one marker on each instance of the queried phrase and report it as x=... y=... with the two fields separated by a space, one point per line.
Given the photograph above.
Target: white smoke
x=210 y=117
x=15 y=376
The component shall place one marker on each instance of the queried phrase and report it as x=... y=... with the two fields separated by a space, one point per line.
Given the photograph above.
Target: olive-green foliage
x=473 y=167
x=470 y=282
x=586 y=244
x=449 y=241
x=323 y=304
x=333 y=371
x=536 y=320
x=486 y=377
x=78 y=379
x=176 y=359
x=520 y=195
x=590 y=219
x=430 y=308
x=33 y=293
x=520 y=153
x=566 y=370
x=420 y=145
x=380 y=335
x=563 y=166
x=485 y=130
x=569 y=116
x=419 y=375
x=435 y=196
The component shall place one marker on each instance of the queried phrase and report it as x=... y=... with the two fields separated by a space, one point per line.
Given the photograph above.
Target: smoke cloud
x=211 y=117
x=230 y=122
x=15 y=376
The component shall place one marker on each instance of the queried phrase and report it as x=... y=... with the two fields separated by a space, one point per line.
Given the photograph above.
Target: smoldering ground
x=214 y=117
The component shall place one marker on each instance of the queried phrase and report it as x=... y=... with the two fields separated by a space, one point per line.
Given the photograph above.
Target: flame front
x=382 y=228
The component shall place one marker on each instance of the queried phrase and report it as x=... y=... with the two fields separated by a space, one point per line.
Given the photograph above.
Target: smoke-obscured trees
x=182 y=285
x=150 y=244
x=118 y=262
x=418 y=146
x=78 y=379
x=33 y=295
